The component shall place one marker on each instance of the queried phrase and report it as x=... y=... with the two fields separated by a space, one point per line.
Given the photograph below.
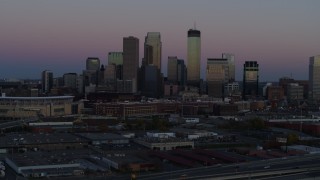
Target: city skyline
x=60 y=36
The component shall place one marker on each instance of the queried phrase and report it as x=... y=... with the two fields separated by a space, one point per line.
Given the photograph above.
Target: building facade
x=295 y=92
x=217 y=76
x=70 y=80
x=250 y=79
x=150 y=84
x=275 y=93
x=194 y=55
x=176 y=71
x=26 y=107
x=93 y=63
x=231 y=66
x=47 y=81
x=131 y=60
x=314 y=78
x=232 y=88
x=116 y=58
x=153 y=49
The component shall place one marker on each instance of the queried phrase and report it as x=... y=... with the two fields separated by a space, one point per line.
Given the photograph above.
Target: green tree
x=292 y=138
x=141 y=124
x=256 y=123
x=160 y=124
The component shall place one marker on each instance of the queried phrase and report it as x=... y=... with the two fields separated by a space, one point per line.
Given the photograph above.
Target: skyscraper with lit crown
x=194 y=54
x=250 y=79
x=93 y=64
x=153 y=49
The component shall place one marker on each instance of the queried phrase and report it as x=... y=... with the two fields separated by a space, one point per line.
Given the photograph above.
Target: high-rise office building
x=153 y=49
x=294 y=93
x=284 y=82
x=116 y=58
x=131 y=60
x=231 y=68
x=217 y=76
x=172 y=74
x=182 y=73
x=107 y=78
x=194 y=55
x=90 y=77
x=314 y=78
x=250 y=79
x=70 y=80
x=80 y=85
x=47 y=81
x=176 y=71
x=57 y=82
x=150 y=84
x=91 y=73
x=93 y=63
x=101 y=76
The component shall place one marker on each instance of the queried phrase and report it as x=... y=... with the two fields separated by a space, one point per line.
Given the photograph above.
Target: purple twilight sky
x=60 y=34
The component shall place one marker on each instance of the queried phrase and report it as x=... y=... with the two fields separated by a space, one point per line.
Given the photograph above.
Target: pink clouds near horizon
x=59 y=35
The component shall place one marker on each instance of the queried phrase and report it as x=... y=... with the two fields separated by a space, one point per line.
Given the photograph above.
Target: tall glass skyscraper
x=194 y=54
x=231 y=69
x=90 y=75
x=70 y=80
x=153 y=49
x=250 y=79
x=314 y=77
x=92 y=63
x=47 y=81
x=217 y=76
x=176 y=70
x=116 y=59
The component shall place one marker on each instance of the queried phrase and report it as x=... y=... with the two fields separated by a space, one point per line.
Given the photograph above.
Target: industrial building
x=26 y=107
x=164 y=144
x=44 y=164
x=104 y=138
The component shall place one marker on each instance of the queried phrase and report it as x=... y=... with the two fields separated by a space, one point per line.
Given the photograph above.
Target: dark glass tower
x=131 y=60
x=250 y=79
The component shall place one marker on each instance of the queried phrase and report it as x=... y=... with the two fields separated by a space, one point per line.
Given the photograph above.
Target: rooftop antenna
x=195 y=25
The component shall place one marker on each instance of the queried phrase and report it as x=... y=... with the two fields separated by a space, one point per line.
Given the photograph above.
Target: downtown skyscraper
x=92 y=64
x=116 y=59
x=250 y=79
x=131 y=61
x=193 y=57
x=90 y=74
x=217 y=76
x=47 y=81
x=231 y=66
x=314 y=78
x=176 y=71
x=153 y=49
